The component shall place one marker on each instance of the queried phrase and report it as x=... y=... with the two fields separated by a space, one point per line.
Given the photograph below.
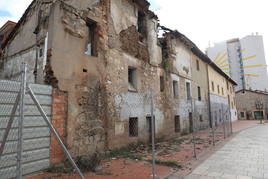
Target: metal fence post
x=153 y=135
x=223 y=120
x=213 y=133
x=193 y=118
x=20 y=122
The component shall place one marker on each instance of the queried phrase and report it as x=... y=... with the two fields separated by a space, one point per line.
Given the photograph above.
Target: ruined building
x=106 y=57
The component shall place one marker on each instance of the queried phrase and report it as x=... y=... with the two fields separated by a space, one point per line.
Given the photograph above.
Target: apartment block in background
x=243 y=60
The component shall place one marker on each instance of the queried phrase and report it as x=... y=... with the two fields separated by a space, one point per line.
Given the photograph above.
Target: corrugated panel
x=36 y=134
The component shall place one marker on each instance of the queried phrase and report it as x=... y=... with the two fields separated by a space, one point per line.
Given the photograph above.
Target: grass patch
x=170 y=163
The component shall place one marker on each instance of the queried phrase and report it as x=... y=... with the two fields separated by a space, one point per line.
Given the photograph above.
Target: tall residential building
x=243 y=60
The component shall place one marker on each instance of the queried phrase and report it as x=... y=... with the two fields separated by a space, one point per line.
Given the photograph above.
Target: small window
x=177 y=124
x=199 y=93
x=188 y=91
x=219 y=89
x=91 y=47
x=175 y=89
x=132 y=79
x=222 y=91
x=197 y=65
x=133 y=127
x=227 y=85
x=242 y=114
x=162 y=84
x=212 y=86
x=200 y=118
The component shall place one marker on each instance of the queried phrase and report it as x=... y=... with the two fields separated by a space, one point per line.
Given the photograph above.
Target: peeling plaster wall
x=127 y=51
x=80 y=75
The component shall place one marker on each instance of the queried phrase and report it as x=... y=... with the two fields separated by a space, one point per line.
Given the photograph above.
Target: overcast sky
x=203 y=21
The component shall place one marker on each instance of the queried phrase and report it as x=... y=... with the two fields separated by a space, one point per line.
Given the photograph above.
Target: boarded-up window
x=177 y=123
x=162 y=84
x=133 y=127
x=175 y=89
x=91 y=47
x=199 y=93
x=188 y=90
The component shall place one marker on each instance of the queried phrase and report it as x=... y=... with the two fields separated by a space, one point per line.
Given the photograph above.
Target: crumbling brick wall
x=58 y=120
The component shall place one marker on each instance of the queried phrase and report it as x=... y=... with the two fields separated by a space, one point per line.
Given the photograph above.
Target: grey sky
x=214 y=20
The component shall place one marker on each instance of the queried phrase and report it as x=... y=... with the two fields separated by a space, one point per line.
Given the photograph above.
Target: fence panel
x=36 y=134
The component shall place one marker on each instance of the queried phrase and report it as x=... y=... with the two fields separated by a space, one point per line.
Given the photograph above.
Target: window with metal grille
x=133 y=127
x=177 y=124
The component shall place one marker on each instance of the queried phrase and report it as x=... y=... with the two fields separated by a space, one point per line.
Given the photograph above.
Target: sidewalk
x=244 y=157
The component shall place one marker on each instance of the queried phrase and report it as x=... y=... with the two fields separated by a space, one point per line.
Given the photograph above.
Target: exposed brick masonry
x=59 y=111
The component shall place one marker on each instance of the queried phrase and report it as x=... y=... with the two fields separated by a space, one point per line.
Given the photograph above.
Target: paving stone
x=244 y=157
